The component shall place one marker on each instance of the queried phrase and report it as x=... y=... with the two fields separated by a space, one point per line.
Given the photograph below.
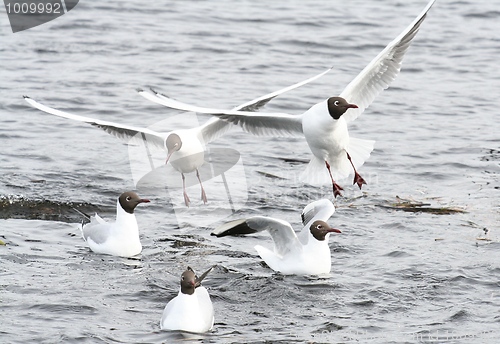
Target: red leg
x=336 y=187
x=203 y=194
x=357 y=178
x=186 y=197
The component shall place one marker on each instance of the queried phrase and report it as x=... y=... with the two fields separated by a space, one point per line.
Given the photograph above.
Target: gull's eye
x=336 y=103
x=182 y=278
x=128 y=198
x=319 y=226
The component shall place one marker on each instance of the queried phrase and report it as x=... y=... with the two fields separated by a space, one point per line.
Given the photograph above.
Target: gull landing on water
x=324 y=125
x=119 y=238
x=191 y=310
x=185 y=147
x=307 y=253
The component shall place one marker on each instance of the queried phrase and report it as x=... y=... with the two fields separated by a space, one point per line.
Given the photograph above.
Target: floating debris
x=270 y=175
x=420 y=207
x=38 y=181
x=292 y=160
x=484 y=239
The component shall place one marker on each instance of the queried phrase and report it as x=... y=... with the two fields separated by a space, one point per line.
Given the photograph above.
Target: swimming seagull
x=191 y=310
x=324 y=125
x=307 y=253
x=119 y=238
x=185 y=147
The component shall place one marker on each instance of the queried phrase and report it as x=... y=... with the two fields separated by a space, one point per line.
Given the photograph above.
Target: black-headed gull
x=324 y=125
x=307 y=253
x=191 y=310
x=119 y=238
x=185 y=147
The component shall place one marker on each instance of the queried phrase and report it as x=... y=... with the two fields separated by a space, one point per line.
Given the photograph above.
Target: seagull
x=119 y=238
x=191 y=310
x=185 y=147
x=324 y=125
x=307 y=253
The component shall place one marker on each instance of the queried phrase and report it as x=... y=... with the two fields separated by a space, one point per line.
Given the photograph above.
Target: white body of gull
x=186 y=147
x=119 y=238
x=191 y=310
x=324 y=125
x=307 y=253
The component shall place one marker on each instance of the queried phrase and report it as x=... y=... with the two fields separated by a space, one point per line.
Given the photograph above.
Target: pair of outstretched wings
x=362 y=90
x=209 y=131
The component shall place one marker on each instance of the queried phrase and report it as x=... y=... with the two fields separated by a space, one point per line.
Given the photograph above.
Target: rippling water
x=397 y=276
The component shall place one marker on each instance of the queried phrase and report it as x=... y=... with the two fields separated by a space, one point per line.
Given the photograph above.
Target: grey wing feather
x=322 y=210
x=382 y=70
x=119 y=130
x=213 y=129
x=257 y=103
x=252 y=105
x=275 y=124
x=99 y=233
x=283 y=235
x=271 y=124
x=208 y=132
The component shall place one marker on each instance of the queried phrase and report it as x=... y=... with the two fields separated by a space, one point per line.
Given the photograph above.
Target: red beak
x=334 y=230
x=351 y=106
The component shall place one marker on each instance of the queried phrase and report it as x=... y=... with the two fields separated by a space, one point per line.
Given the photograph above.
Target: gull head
x=129 y=200
x=188 y=281
x=319 y=229
x=173 y=144
x=337 y=106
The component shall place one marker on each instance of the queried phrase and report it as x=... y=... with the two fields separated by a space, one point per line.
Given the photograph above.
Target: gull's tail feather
x=317 y=174
x=360 y=150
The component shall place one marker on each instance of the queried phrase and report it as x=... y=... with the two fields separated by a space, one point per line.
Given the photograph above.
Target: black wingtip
x=234 y=228
x=139 y=90
x=202 y=277
x=221 y=235
x=159 y=93
x=85 y=216
x=26 y=97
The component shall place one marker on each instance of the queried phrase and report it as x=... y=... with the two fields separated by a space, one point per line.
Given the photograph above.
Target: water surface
x=397 y=276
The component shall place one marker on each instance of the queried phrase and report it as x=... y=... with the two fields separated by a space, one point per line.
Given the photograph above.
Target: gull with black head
x=119 y=238
x=191 y=310
x=305 y=253
x=336 y=155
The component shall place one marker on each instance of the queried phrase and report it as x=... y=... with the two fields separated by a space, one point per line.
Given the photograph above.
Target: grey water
x=400 y=273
